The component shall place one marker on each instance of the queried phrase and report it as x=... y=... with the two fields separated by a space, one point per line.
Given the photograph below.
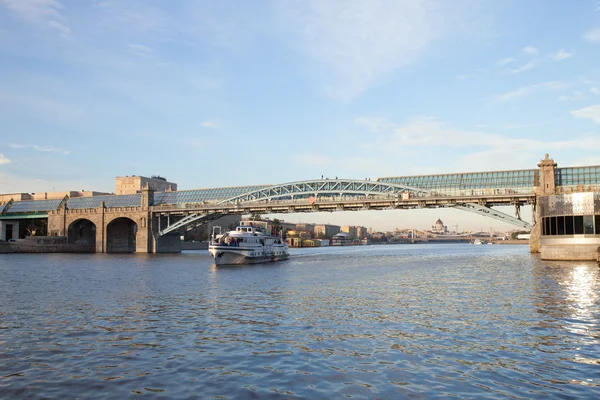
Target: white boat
x=246 y=245
x=477 y=241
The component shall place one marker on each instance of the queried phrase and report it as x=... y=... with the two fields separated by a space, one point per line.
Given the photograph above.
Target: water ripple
x=389 y=322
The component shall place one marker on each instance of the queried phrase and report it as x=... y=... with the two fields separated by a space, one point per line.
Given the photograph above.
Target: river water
x=385 y=322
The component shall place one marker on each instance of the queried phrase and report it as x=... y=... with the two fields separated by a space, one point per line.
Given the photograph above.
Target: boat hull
x=228 y=256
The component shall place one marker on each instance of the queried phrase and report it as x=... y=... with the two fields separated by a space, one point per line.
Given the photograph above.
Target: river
x=385 y=322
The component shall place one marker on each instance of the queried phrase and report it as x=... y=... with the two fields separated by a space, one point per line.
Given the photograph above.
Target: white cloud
x=505 y=61
x=561 y=55
x=4 y=160
x=529 y=50
x=13 y=183
x=39 y=148
x=375 y=124
x=591 y=112
x=528 y=90
x=479 y=150
x=211 y=124
x=592 y=36
x=41 y=12
x=595 y=90
x=575 y=96
x=525 y=67
x=360 y=42
x=140 y=50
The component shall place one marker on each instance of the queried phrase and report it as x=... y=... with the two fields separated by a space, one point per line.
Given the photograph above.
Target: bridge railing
x=332 y=199
x=577 y=188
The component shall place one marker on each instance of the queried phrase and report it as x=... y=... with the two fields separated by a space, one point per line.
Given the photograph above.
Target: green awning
x=23 y=216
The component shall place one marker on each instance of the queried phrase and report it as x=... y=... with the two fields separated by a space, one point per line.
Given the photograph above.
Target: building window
x=588 y=224
x=571 y=225
x=560 y=225
x=578 y=219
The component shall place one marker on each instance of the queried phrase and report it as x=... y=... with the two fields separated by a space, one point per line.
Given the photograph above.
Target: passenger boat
x=246 y=245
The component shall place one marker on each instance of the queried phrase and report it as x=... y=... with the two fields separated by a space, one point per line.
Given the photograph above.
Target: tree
x=255 y=217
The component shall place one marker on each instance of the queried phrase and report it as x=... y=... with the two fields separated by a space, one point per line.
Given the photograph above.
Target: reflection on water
x=362 y=322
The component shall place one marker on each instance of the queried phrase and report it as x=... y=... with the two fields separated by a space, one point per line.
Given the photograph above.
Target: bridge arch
x=325 y=187
x=121 y=235
x=340 y=190
x=82 y=231
x=357 y=188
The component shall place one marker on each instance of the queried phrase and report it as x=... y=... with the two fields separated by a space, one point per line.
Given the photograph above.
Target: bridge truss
x=342 y=194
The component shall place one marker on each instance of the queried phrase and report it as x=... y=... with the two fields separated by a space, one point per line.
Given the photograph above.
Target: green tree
x=255 y=217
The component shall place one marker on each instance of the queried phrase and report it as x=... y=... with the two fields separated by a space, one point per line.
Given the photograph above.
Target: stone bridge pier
x=544 y=185
x=567 y=216
x=113 y=230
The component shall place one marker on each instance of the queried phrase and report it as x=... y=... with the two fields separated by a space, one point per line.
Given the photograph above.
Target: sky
x=235 y=93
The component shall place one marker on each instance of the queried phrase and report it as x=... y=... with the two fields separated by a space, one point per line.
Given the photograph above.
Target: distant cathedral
x=439 y=227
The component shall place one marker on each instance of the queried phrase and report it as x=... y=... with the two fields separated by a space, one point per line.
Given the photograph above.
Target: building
x=341 y=239
x=61 y=195
x=133 y=184
x=350 y=230
x=361 y=232
x=315 y=243
x=568 y=216
x=5 y=198
x=439 y=227
x=297 y=238
x=309 y=228
x=325 y=231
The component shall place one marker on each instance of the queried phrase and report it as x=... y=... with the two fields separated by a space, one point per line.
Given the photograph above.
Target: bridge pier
x=544 y=185
x=116 y=229
x=567 y=222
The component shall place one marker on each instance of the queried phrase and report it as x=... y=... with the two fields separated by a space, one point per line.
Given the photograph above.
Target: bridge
x=147 y=221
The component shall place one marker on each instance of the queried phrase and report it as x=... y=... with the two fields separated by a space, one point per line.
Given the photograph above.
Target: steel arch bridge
x=342 y=191
x=327 y=187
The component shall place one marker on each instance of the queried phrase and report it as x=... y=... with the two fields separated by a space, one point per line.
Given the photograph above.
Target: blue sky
x=212 y=94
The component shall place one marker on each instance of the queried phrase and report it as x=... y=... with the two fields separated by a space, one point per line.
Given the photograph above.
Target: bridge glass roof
x=2 y=206
x=200 y=195
x=517 y=181
x=33 y=206
x=573 y=176
x=125 y=200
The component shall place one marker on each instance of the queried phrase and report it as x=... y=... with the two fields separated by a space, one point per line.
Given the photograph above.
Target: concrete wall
x=5 y=198
x=15 y=230
x=571 y=252
x=43 y=244
x=170 y=243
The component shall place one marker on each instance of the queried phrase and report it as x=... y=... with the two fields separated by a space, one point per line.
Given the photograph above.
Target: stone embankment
x=44 y=244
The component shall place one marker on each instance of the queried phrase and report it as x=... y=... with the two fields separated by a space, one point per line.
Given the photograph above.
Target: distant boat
x=479 y=241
